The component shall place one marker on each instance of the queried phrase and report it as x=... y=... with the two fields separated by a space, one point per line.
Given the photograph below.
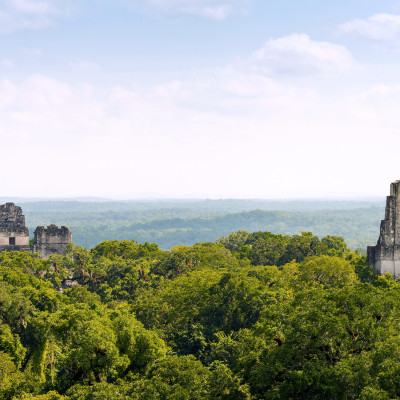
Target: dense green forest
x=250 y=316
x=171 y=223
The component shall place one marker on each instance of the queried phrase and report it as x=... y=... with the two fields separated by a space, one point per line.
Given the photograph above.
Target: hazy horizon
x=190 y=199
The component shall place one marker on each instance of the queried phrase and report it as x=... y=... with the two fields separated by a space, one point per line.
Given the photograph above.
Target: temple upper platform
x=385 y=256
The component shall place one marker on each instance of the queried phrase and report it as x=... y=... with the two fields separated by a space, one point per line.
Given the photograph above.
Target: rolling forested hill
x=169 y=223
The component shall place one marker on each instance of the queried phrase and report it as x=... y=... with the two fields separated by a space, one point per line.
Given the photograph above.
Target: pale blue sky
x=199 y=98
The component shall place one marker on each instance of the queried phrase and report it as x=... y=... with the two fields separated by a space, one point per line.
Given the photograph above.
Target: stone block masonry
x=51 y=240
x=385 y=256
x=14 y=235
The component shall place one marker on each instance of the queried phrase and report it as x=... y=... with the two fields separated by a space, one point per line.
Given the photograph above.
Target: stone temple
x=385 y=256
x=53 y=240
x=14 y=235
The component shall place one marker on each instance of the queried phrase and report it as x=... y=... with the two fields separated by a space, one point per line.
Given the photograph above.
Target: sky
x=199 y=98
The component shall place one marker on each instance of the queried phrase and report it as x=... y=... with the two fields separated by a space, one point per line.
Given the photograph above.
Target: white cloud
x=213 y=9
x=32 y=7
x=215 y=135
x=172 y=139
x=378 y=27
x=30 y=14
x=299 y=55
x=380 y=91
x=231 y=132
x=16 y=15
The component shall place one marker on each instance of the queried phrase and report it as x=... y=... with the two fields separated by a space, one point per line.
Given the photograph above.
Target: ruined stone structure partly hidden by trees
x=14 y=235
x=53 y=240
x=385 y=256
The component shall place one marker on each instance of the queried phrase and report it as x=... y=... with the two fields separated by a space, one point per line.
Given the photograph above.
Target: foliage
x=255 y=316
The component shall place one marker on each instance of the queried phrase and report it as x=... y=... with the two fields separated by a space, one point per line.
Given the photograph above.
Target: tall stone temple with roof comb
x=14 y=235
x=385 y=256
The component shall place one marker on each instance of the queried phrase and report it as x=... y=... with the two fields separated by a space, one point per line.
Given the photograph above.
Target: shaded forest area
x=171 y=223
x=252 y=316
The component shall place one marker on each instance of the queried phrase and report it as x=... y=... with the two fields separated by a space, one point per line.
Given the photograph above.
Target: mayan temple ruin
x=14 y=235
x=51 y=240
x=385 y=256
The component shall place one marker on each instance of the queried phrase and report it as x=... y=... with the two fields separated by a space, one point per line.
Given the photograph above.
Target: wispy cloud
x=221 y=118
x=30 y=14
x=31 y=7
x=16 y=15
x=298 y=54
x=7 y=64
x=383 y=27
x=213 y=9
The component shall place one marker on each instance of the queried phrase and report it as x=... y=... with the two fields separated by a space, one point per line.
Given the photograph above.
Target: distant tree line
x=169 y=227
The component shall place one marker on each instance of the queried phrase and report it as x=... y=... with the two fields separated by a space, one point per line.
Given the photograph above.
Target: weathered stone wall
x=385 y=256
x=11 y=216
x=14 y=235
x=51 y=240
x=19 y=240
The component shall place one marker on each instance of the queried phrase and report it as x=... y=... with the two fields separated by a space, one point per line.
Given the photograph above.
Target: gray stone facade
x=14 y=235
x=51 y=240
x=385 y=256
